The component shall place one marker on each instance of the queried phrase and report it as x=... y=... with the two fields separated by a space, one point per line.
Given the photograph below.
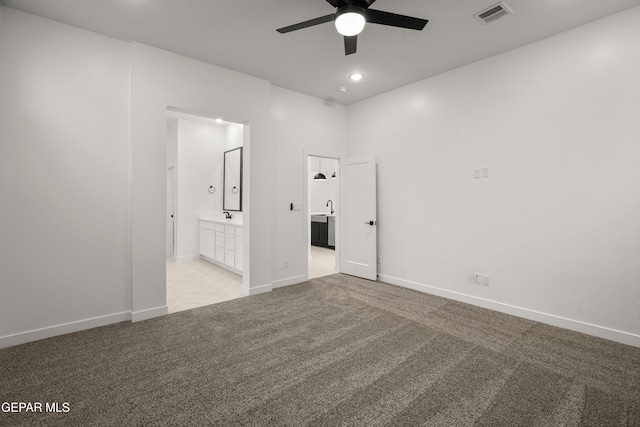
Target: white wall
x=64 y=145
x=84 y=128
x=200 y=164
x=299 y=122
x=234 y=133
x=159 y=80
x=556 y=224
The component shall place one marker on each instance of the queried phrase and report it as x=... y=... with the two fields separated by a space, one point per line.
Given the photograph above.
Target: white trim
x=290 y=281
x=256 y=290
x=306 y=153
x=550 y=319
x=65 y=328
x=150 y=313
x=188 y=258
x=220 y=264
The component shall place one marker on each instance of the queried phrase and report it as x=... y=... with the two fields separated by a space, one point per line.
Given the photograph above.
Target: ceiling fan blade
x=333 y=3
x=305 y=24
x=350 y=44
x=394 y=20
x=369 y=2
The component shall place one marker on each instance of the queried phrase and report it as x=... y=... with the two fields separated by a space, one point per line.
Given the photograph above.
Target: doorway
x=195 y=276
x=323 y=207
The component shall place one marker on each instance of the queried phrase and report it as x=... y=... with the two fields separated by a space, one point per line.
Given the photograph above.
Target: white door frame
x=171 y=172
x=305 y=210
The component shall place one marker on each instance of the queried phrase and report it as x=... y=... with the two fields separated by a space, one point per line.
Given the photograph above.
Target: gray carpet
x=334 y=351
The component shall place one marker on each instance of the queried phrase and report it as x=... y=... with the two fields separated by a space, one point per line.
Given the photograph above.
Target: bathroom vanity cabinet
x=221 y=243
x=323 y=231
x=319 y=234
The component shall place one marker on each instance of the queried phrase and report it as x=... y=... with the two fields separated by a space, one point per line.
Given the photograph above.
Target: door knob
x=370 y=223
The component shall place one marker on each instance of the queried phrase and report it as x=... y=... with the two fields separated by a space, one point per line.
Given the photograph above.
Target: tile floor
x=196 y=283
x=322 y=262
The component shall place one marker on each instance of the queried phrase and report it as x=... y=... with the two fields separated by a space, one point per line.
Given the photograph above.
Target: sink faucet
x=329 y=201
x=227 y=215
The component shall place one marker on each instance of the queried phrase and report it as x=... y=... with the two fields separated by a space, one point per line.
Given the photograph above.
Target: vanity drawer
x=206 y=225
x=220 y=228
x=229 y=229
x=220 y=239
x=238 y=231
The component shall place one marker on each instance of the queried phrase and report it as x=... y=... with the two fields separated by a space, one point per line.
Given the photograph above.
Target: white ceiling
x=241 y=35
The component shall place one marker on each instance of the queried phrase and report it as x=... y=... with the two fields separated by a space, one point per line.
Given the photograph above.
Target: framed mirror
x=232 y=184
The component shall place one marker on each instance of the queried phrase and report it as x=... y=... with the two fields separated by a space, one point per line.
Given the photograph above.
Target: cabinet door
x=207 y=243
x=315 y=233
x=324 y=235
x=229 y=258
x=219 y=254
x=229 y=242
x=219 y=248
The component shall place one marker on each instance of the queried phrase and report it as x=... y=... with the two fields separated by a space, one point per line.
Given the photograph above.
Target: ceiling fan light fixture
x=356 y=77
x=349 y=22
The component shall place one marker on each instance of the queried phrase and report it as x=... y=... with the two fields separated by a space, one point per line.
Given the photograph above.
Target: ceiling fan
x=350 y=18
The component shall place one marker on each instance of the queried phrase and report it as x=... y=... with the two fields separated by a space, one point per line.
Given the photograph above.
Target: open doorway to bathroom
x=323 y=206
x=204 y=244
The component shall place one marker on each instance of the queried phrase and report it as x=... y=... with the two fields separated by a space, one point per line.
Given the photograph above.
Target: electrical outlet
x=484 y=280
x=286 y=263
x=481 y=279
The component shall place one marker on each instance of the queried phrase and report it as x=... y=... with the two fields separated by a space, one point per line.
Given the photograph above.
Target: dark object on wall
x=232 y=184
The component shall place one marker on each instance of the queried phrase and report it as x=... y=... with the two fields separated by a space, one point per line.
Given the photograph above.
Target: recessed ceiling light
x=356 y=76
x=219 y=120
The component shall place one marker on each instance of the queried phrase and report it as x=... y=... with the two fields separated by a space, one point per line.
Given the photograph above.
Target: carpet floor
x=333 y=351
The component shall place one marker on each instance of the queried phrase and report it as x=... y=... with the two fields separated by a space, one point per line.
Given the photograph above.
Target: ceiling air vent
x=492 y=13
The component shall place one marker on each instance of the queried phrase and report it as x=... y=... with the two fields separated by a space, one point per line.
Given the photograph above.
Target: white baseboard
x=138 y=316
x=550 y=319
x=256 y=290
x=66 y=328
x=187 y=258
x=289 y=281
x=221 y=264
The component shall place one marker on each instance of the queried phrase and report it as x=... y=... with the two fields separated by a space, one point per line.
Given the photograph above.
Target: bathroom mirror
x=232 y=185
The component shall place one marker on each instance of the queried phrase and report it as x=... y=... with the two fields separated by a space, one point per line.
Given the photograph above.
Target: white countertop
x=221 y=220
x=322 y=213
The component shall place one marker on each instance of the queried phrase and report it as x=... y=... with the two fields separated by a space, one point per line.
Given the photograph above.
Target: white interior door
x=171 y=211
x=358 y=254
